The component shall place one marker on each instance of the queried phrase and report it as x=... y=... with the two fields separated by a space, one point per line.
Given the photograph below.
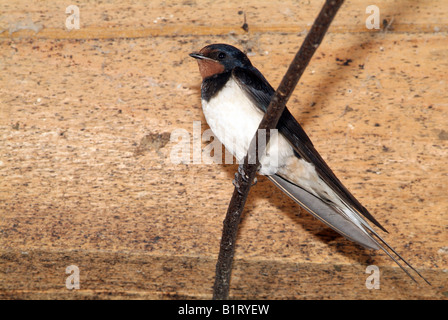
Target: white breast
x=234 y=119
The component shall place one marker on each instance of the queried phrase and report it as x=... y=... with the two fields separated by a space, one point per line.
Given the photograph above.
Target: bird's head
x=218 y=58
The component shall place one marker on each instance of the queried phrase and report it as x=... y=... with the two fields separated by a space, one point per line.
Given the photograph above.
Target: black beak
x=197 y=55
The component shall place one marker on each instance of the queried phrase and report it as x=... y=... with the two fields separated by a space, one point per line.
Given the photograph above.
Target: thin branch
x=245 y=177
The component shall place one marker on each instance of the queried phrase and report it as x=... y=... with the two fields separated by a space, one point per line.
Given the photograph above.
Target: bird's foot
x=236 y=184
x=255 y=181
x=244 y=177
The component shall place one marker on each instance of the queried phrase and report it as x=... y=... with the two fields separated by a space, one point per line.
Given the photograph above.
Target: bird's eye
x=221 y=55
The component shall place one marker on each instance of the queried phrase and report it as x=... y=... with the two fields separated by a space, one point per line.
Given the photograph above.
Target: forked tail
x=352 y=230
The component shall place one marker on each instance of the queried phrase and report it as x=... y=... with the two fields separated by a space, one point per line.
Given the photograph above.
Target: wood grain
x=85 y=171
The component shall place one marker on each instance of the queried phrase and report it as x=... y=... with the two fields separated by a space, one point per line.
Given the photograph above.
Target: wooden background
x=85 y=171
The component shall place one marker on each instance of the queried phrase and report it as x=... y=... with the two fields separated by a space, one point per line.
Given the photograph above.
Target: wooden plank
x=85 y=170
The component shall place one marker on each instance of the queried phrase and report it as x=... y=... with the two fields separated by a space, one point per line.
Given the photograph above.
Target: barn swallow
x=235 y=96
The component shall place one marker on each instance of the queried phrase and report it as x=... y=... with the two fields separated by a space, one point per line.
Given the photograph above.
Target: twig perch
x=244 y=179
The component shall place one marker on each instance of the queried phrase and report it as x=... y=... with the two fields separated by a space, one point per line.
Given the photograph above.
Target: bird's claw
x=236 y=184
x=255 y=181
x=244 y=176
x=235 y=181
x=242 y=172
